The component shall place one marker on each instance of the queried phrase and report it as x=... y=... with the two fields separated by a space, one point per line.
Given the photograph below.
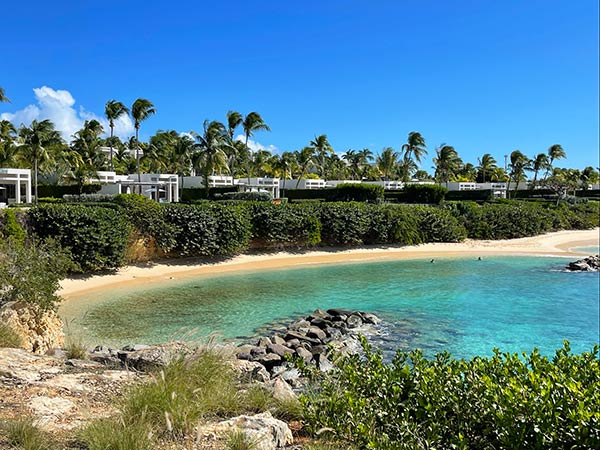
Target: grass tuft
x=76 y=350
x=9 y=337
x=114 y=434
x=23 y=434
x=238 y=440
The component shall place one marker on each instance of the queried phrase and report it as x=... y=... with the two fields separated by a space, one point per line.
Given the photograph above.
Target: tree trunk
x=35 y=177
x=249 y=161
x=137 y=157
x=111 y=148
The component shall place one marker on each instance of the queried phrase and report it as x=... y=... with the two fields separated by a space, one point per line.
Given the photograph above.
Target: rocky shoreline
x=589 y=264
x=62 y=393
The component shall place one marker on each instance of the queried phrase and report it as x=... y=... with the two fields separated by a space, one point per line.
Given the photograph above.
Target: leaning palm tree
x=209 y=154
x=322 y=148
x=252 y=122
x=305 y=159
x=415 y=146
x=539 y=162
x=519 y=163
x=447 y=163
x=140 y=111
x=36 y=141
x=234 y=120
x=3 y=98
x=112 y=111
x=554 y=152
x=487 y=164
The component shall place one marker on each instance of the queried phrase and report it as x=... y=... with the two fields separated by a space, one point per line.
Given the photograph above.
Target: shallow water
x=590 y=250
x=465 y=306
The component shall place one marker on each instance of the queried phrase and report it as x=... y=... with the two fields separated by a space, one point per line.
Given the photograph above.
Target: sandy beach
x=559 y=243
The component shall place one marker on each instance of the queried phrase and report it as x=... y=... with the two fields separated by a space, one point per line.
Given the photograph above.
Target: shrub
x=115 y=434
x=505 y=401
x=344 y=223
x=96 y=238
x=246 y=196
x=30 y=273
x=439 y=225
x=424 y=193
x=285 y=225
x=12 y=230
x=357 y=192
x=208 y=229
x=82 y=198
x=475 y=195
x=190 y=194
x=393 y=225
x=57 y=191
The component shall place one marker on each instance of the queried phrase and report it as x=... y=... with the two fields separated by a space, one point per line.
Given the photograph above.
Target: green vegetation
x=169 y=407
x=12 y=229
x=30 y=273
x=95 y=237
x=505 y=401
x=9 y=337
x=424 y=193
x=284 y=225
x=23 y=434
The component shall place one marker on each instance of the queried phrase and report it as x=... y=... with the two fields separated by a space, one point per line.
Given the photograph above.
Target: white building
x=303 y=183
x=270 y=185
x=163 y=188
x=213 y=181
x=15 y=186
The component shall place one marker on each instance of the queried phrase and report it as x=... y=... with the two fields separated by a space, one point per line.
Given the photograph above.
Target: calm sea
x=461 y=305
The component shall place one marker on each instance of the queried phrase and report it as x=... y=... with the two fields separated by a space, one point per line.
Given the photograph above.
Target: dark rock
x=154 y=357
x=263 y=342
x=339 y=318
x=245 y=356
x=321 y=323
x=280 y=350
x=339 y=312
x=318 y=349
x=257 y=351
x=299 y=325
x=319 y=314
x=354 y=321
x=589 y=264
x=269 y=360
x=333 y=333
x=293 y=343
x=370 y=318
x=295 y=335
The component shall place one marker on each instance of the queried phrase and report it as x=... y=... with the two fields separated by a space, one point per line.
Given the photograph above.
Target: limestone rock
x=250 y=371
x=39 y=331
x=153 y=357
x=281 y=390
x=266 y=432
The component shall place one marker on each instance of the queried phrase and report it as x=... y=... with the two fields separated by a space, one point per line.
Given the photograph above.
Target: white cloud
x=59 y=107
x=255 y=146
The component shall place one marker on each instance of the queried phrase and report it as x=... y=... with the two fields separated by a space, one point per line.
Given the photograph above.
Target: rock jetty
x=589 y=264
x=311 y=338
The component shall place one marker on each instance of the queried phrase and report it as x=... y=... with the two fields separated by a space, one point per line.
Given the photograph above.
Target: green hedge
x=57 y=191
x=96 y=238
x=482 y=195
x=189 y=194
x=357 y=192
x=424 y=193
x=309 y=194
x=507 y=401
x=207 y=230
x=284 y=225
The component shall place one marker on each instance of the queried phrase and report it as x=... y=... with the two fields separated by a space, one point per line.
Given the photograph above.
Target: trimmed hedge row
x=190 y=194
x=345 y=192
x=57 y=191
x=97 y=235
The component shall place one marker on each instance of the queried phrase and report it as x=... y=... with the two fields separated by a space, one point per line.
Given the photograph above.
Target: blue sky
x=484 y=76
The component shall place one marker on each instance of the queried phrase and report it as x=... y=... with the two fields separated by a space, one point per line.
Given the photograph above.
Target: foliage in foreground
x=504 y=401
x=30 y=273
x=9 y=337
x=170 y=406
x=23 y=434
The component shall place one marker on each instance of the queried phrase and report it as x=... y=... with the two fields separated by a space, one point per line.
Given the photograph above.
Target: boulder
x=262 y=430
x=304 y=354
x=354 y=321
x=295 y=335
x=278 y=340
x=249 y=371
x=339 y=312
x=280 y=350
x=317 y=333
x=281 y=390
x=269 y=360
x=589 y=264
x=153 y=357
x=263 y=342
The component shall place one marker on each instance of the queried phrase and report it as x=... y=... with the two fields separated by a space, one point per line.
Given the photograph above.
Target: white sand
x=552 y=244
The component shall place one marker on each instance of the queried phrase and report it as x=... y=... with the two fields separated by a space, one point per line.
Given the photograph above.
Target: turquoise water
x=590 y=250
x=464 y=306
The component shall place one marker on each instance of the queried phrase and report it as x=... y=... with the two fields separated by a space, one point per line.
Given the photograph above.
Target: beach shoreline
x=161 y=273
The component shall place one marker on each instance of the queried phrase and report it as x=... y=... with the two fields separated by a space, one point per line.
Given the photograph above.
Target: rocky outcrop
x=589 y=264
x=40 y=331
x=310 y=338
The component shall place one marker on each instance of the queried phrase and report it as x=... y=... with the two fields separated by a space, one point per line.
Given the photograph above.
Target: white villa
x=15 y=186
x=163 y=188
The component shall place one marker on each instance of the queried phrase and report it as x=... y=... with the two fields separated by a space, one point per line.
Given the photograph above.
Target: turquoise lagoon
x=461 y=305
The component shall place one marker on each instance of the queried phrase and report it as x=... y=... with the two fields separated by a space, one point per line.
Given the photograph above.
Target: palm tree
x=387 y=162
x=3 y=98
x=413 y=150
x=518 y=164
x=210 y=155
x=285 y=164
x=556 y=152
x=252 y=122
x=112 y=111
x=321 y=147
x=365 y=156
x=234 y=120
x=84 y=156
x=487 y=164
x=9 y=154
x=36 y=140
x=539 y=162
x=305 y=159
x=351 y=157
x=447 y=163
x=140 y=111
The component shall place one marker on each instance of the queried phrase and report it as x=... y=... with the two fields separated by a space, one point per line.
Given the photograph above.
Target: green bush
x=505 y=401
x=285 y=225
x=95 y=237
x=9 y=337
x=475 y=195
x=357 y=192
x=12 y=229
x=393 y=224
x=246 y=196
x=344 y=223
x=208 y=229
x=439 y=225
x=23 y=433
x=58 y=191
x=190 y=194
x=424 y=193
x=30 y=273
